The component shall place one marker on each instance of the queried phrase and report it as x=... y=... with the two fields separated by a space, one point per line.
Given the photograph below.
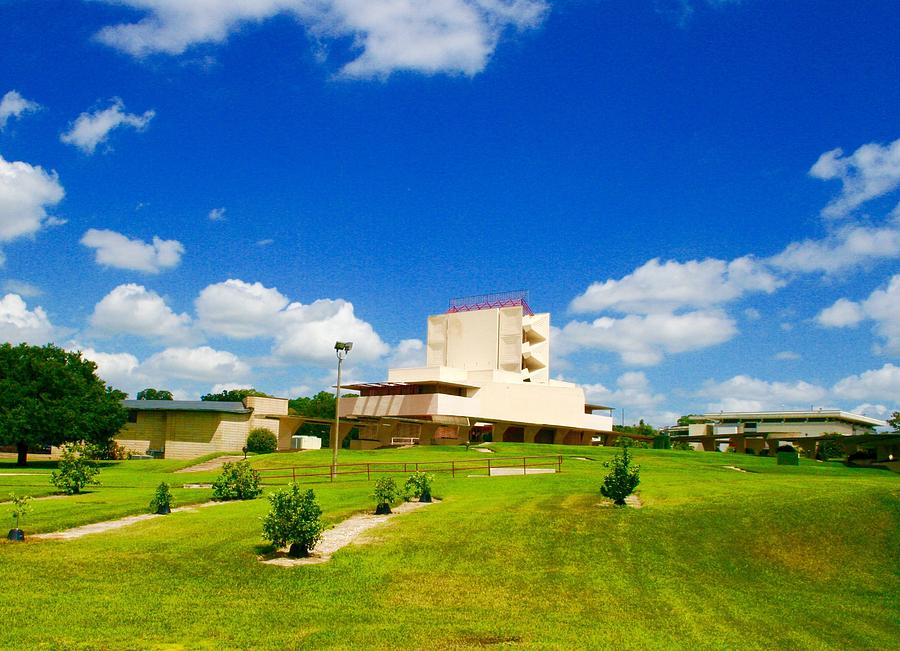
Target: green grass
x=780 y=557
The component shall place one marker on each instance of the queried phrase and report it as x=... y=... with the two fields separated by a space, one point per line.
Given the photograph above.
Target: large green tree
x=234 y=395
x=320 y=405
x=154 y=394
x=50 y=396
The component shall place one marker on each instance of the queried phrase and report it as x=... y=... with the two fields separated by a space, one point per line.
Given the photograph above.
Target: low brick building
x=183 y=429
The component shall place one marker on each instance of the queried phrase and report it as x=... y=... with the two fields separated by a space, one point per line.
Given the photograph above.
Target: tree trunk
x=22 y=450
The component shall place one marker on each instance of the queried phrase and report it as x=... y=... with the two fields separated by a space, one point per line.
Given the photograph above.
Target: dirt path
x=109 y=525
x=342 y=535
x=212 y=464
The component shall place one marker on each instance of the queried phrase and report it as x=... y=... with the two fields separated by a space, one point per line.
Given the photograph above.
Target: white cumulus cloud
x=643 y=340
x=881 y=384
x=91 y=129
x=849 y=246
x=869 y=172
x=18 y=324
x=633 y=394
x=745 y=393
x=113 y=249
x=216 y=214
x=668 y=286
x=13 y=105
x=241 y=310
x=202 y=364
x=882 y=306
x=119 y=370
x=134 y=310
x=438 y=36
x=409 y=353
x=26 y=191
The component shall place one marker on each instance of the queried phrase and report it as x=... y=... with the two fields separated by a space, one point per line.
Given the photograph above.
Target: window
x=132 y=415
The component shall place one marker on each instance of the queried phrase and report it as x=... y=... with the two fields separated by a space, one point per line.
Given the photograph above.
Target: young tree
x=294 y=519
x=75 y=470
x=622 y=479
x=894 y=421
x=154 y=394
x=49 y=396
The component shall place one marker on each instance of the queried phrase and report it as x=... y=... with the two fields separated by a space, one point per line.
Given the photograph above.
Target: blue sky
x=703 y=193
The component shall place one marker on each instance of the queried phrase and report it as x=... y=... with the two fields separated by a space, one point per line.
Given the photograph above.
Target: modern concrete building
x=758 y=430
x=487 y=372
x=183 y=429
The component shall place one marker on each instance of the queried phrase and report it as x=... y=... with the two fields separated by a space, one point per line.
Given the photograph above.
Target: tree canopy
x=154 y=394
x=894 y=421
x=320 y=405
x=234 y=395
x=50 y=396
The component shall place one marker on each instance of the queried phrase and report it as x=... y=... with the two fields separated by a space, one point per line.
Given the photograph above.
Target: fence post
x=559 y=463
x=524 y=467
x=293 y=474
x=453 y=469
x=489 y=466
x=368 y=472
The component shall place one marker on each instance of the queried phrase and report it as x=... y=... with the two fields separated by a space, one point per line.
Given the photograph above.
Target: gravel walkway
x=212 y=464
x=342 y=535
x=109 y=525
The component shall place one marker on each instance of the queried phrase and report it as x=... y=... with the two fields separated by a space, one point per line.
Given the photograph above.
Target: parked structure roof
x=187 y=405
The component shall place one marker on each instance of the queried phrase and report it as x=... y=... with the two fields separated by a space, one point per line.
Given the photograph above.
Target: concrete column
x=739 y=444
x=560 y=436
x=530 y=433
x=426 y=433
x=498 y=430
x=709 y=444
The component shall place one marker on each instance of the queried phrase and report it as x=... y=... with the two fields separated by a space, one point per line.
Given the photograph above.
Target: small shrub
x=110 y=451
x=162 y=500
x=262 y=441
x=622 y=479
x=75 y=470
x=238 y=481
x=786 y=448
x=21 y=506
x=294 y=519
x=418 y=485
x=749 y=451
x=764 y=452
x=683 y=446
x=386 y=493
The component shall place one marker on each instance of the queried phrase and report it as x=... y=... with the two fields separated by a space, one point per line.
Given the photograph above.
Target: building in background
x=183 y=429
x=487 y=377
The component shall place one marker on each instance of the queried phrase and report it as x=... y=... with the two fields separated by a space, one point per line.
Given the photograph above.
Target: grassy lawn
x=777 y=557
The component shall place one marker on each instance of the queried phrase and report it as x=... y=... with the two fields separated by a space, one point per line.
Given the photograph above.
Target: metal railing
x=374 y=469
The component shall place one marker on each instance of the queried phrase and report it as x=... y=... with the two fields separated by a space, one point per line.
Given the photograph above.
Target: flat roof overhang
x=464 y=421
x=359 y=386
x=757 y=416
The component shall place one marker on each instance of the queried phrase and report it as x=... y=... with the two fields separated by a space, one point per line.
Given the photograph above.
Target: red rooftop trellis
x=489 y=301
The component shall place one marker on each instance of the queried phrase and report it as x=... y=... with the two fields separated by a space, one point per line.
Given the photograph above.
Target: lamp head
x=343 y=345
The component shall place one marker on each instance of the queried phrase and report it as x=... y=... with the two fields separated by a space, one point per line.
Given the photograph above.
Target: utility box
x=306 y=443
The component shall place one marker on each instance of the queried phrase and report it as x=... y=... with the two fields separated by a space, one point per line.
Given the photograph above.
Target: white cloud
x=120 y=370
x=668 y=286
x=752 y=313
x=13 y=105
x=116 y=250
x=241 y=310
x=871 y=171
x=786 y=356
x=26 y=191
x=745 y=393
x=882 y=306
x=876 y=384
x=217 y=214
x=841 y=314
x=90 y=129
x=265 y=242
x=203 y=364
x=439 y=36
x=19 y=324
x=845 y=248
x=22 y=288
x=307 y=333
x=633 y=394
x=134 y=310
x=873 y=411
x=643 y=340
x=409 y=353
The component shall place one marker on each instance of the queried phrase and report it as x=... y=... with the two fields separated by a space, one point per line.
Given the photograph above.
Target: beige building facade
x=184 y=429
x=487 y=376
x=769 y=429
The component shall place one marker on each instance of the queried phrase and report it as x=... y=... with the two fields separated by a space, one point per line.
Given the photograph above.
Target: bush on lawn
x=418 y=485
x=238 y=481
x=108 y=451
x=786 y=448
x=294 y=519
x=622 y=479
x=683 y=446
x=162 y=500
x=386 y=493
x=262 y=441
x=75 y=470
x=831 y=446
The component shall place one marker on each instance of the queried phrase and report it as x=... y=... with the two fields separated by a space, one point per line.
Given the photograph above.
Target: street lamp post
x=341 y=349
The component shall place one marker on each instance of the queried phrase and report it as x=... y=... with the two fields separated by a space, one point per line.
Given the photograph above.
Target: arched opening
x=514 y=435
x=572 y=438
x=545 y=435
